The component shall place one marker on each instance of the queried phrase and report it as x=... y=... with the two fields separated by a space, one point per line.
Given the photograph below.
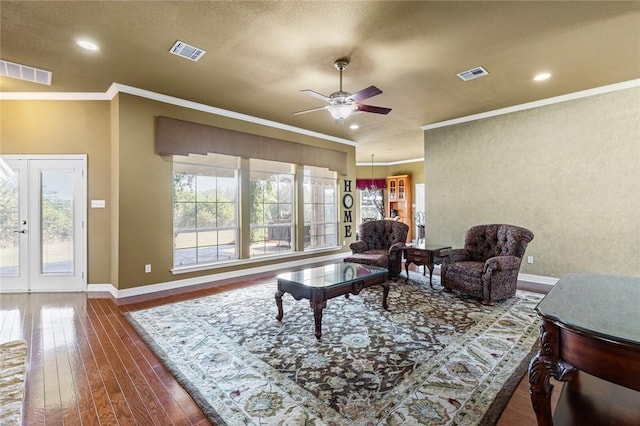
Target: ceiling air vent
x=23 y=72
x=472 y=73
x=187 y=51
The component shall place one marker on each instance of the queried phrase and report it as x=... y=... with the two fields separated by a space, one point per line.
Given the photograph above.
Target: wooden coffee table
x=424 y=254
x=326 y=282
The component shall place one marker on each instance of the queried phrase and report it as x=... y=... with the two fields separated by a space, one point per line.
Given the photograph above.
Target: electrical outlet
x=147 y=268
x=529 y=259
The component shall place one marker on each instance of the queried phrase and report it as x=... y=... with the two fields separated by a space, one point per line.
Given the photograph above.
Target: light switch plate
x=98 y=204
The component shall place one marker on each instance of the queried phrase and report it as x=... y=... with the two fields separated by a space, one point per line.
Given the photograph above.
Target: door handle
x=24 y=231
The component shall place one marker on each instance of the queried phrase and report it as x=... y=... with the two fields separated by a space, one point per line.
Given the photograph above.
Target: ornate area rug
x=13 y=357
x=433 y=358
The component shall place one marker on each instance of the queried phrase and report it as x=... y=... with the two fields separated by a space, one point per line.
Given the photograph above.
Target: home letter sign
x=347 y=203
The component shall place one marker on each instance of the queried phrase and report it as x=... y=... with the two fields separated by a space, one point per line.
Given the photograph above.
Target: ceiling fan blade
x=316 y=95
x=366 y=93
x=374 y=109
x=310 y=110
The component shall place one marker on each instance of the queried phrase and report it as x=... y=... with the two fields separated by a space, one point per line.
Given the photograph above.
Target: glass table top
x=329 y=275
x=605 y=305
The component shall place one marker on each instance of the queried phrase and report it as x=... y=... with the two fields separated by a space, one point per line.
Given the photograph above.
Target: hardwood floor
x=86 y=364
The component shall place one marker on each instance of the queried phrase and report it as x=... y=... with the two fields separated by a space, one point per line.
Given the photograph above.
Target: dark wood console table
x=589 y=323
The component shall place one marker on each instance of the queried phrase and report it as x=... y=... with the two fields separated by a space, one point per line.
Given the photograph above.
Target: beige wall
x=570 y=172
x=69 y=127
x=114 y=189
x=145 y=231
x=118 y=137
x=415 y=170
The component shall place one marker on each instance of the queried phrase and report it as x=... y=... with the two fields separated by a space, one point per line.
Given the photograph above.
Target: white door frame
x=81 y=223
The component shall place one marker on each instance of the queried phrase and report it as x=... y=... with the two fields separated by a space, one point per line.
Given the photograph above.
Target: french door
x=42 y=223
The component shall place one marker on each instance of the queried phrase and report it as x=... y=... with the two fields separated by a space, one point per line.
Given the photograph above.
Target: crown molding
x=122 y=88
x=117 y=88
x=530 y=105
x=393 y=163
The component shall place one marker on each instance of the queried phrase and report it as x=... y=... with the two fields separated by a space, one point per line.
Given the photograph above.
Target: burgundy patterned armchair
x=380 y=243
x=488 y=265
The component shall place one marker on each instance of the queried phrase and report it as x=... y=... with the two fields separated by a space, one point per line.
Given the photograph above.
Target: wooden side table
x=427 y=255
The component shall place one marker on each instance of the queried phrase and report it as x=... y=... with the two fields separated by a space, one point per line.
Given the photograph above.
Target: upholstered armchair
x=380 y=243
x=488 y=265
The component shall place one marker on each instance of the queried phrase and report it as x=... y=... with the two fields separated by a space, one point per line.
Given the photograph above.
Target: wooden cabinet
x=399 y=200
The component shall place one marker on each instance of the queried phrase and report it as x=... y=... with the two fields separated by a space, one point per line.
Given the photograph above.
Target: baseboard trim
x=102 y=288
x=536 y=280
x=212 y=278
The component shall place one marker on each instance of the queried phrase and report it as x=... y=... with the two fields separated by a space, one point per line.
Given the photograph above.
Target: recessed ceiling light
x=354 y=127
x=86 y=44
x=542 y=76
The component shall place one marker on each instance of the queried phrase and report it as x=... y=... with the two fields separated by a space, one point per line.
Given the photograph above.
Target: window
x=320 y=208
x=371 y=205
x=205 y=209
x=272 y=207
x=208 y=199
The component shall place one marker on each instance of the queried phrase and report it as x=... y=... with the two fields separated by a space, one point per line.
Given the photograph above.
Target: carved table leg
x=385 y=293
x=542 y=368
x=318 y=305
x=279 y=305
x=431 y=265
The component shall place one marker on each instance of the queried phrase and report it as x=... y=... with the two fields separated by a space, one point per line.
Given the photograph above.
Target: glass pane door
x=56 y=222
x=42 y=245
x=13 y=236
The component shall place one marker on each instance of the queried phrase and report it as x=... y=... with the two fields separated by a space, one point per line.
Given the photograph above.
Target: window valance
x=178 y=137
x=362 y=184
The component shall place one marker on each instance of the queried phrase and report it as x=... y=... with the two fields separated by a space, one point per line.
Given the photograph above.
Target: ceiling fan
x=343 y=104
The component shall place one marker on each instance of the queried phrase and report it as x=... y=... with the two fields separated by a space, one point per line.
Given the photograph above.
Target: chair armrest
x=454 y=255
x=397 y=246
x=358 y=246
x=502 y=263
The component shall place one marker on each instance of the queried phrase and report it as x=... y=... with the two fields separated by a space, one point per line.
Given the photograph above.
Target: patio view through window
x=291 y=208
x=272 y=213
x=320 y=208
x=205 y=211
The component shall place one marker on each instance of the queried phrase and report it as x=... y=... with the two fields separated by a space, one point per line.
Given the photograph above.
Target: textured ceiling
x=261 y=54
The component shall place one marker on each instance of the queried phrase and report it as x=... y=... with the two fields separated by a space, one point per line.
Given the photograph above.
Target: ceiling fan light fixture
x=343 y=103
x=341 y=111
